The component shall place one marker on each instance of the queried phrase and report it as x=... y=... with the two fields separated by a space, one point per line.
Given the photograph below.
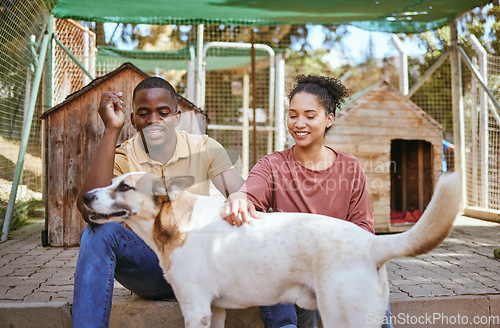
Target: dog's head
x=135 y=195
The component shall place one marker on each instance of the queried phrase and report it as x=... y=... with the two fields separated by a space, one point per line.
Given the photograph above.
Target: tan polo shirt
x=196 y=155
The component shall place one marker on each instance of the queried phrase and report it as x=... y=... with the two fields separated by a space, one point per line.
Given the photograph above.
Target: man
x=111 y=250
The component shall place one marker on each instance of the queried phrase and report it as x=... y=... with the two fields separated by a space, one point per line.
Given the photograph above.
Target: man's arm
x=101 y=169
x=228 y=182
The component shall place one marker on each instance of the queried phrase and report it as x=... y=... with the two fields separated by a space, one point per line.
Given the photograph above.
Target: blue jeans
x=107 y=252
x=291 y=316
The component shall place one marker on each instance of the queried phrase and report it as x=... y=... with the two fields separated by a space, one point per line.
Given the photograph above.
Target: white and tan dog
x=311 y=260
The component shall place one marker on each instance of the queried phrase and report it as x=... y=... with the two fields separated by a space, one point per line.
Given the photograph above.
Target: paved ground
x=461 y=275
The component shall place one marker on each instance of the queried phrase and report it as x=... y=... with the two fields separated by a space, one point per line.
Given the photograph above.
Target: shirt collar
x=181 y=149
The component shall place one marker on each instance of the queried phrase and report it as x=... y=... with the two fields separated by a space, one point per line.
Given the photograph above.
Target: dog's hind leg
x=352 y=298
x=218 y=317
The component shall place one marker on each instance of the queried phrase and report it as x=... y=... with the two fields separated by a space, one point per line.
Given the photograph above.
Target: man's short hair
x=154 y=82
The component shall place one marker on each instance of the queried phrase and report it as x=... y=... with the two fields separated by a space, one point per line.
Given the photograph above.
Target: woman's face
x=307 y=120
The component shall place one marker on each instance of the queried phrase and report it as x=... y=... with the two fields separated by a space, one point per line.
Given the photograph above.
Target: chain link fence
x=22 y=24
x=67 y=77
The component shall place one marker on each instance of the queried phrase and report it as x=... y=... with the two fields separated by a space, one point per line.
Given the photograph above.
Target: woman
x=309 y=177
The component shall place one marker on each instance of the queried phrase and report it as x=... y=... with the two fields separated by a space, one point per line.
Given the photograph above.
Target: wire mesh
x=225 y=95
x=435 y=98
x=22 y=24
x=67 y=77
x=482 y=177
x=494 y=135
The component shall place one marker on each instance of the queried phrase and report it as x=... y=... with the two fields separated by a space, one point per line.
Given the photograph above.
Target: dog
x=314 y=261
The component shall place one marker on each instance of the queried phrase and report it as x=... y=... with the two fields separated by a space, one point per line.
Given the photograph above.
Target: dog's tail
x=432 y=228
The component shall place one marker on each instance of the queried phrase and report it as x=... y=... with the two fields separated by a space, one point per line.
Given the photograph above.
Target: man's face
x=155 y=113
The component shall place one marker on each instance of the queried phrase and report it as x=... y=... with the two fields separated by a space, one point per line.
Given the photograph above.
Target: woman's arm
x=254 y=195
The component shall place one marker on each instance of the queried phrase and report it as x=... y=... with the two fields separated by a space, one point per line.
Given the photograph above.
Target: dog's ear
x=176 y=185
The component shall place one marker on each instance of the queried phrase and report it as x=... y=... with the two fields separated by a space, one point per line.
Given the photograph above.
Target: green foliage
x=20 y=212
x=311 y=60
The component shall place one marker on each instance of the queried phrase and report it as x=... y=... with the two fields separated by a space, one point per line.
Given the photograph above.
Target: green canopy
x=217 y=58
x=407 y=16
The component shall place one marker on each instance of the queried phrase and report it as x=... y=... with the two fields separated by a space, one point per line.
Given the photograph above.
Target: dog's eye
x=123 y=187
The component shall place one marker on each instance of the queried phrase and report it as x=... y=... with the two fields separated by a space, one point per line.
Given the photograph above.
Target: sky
x=355 y=45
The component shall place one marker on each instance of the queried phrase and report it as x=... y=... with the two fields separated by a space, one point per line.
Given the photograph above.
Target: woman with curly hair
x=308 y=177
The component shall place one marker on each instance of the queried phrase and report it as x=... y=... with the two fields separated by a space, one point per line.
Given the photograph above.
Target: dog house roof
x=96 y=82
x=351 y=103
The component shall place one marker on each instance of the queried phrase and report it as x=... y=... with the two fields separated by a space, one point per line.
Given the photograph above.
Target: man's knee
x=97 y=233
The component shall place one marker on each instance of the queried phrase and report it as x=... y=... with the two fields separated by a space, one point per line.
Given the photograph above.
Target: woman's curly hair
x=329 y=92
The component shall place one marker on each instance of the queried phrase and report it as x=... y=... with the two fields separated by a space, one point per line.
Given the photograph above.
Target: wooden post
x=457 y=108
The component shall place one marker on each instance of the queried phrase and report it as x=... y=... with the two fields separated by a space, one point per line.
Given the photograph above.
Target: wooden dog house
x=73 y=129
x=399 y=146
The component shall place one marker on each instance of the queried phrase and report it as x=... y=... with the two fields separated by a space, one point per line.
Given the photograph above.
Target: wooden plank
x=388 y=122
x=404 y=177
x=355 y=148
x=382 y=205
x=382 y=223
x=72 y=171
x=401 y=131
x=374 y=135
x=421 y=176
x=89 y=138
x=372 y=164
x=386 y=109
x=359 y=147
x=55 y=178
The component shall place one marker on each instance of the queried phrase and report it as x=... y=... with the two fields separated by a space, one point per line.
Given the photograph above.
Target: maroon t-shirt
x=279 y=181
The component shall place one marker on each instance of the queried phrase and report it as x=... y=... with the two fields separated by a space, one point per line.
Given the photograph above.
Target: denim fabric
x=279 y=316
x=107 y=252
x=388 y=315
x=307 y=318
x=292 y=316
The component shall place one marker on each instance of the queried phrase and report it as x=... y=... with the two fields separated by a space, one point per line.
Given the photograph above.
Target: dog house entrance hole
x=411 y=179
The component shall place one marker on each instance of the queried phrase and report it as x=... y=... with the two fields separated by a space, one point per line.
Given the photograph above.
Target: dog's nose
x=88 y=197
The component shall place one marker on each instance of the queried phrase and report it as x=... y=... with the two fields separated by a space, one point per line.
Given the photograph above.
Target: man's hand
x=238 y=209
x=101 y=169
x=111 y=110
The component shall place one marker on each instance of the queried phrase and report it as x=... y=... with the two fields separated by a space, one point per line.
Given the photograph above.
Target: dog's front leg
x=218 y=317
x=196 y=313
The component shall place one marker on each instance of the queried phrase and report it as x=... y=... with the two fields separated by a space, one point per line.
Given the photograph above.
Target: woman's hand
x=238 y=209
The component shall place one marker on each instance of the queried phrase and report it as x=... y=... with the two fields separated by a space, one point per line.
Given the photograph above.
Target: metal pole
x=474 y=139
x=483 y=121
x=272 y=75
x=403 y=65
x=428 y=73
x=47 y=87
x=26 y=133
x=458 y=109
x=200 y=76
x=483 y=84
x=191 y=76
x=245 y=147
x=70 y=54
x=254 y=97
x=280 y=136
x=270 y=51
x=86 y=57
